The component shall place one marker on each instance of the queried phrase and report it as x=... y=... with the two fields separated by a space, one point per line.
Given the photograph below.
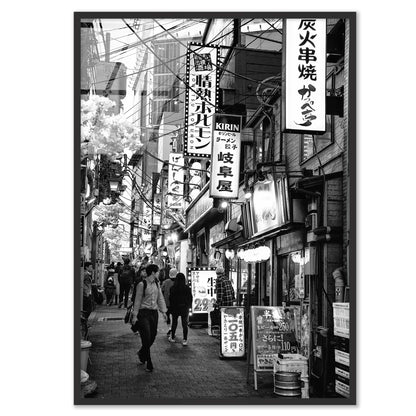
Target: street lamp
x=114 y=184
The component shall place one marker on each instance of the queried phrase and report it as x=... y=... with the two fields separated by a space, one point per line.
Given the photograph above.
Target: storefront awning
x=230 y=242
x=270 y=234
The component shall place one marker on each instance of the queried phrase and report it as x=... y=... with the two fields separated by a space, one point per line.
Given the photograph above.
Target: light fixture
x=114 y=183
x=229 y=254
x=174 y=237
x=223 y=204
x=247 y=193
x=240 y=254
x=107 y=201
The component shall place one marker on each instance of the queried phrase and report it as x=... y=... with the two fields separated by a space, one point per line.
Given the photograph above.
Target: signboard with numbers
x=232 y=332
x=201 y=98
x=203 y=288
x=225 y=160
x=272 y=333
x=304 y=76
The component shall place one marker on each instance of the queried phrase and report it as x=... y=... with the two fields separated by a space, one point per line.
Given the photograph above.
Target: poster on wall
x=203 y=288
x=201 y=99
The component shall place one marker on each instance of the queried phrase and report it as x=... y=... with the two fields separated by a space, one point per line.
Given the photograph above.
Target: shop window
x=294 y=286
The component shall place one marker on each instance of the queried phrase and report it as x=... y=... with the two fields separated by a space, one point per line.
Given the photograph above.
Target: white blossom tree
x=102 y=133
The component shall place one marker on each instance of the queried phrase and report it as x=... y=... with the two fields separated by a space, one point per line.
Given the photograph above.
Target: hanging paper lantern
x=229 y=254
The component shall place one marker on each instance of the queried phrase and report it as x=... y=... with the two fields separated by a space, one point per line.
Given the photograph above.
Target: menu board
x=203 y=288
x=232 y=332
x=273 y=332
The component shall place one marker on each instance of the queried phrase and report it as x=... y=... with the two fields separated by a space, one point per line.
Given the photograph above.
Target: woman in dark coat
x=180 y=303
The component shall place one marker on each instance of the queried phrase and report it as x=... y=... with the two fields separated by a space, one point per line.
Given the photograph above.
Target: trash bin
x=85 y=353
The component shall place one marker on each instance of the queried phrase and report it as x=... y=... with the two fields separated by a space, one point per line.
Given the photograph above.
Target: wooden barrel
x=287 y=384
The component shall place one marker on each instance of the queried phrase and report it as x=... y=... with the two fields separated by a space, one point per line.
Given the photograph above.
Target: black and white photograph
x=216 y=172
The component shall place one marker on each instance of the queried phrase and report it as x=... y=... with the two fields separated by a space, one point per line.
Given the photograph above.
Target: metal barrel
x=287 y=384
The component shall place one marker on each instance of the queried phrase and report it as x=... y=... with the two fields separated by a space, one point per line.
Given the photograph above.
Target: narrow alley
x=191 y=372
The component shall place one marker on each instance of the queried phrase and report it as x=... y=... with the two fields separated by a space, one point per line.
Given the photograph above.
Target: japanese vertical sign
x=175 y=180
x=157 y=208
x=203 y=288
x=201 y=99
x=225 y=160
x=232 y=332
x=304 y=76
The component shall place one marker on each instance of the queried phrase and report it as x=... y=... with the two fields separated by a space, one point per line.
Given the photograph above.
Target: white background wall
x=37 y=129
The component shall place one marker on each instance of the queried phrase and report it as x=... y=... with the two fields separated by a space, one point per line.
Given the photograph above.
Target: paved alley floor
x=192 y=372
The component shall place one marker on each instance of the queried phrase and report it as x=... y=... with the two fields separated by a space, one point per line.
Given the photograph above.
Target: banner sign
x=201 y=98
x=157 y=208
x=175 y=181
x=225 y=159
x=232 y=332
x=203 y=288
x=304 y=76
x=273 y=332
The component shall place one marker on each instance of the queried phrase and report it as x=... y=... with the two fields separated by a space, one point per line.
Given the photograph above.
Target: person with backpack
x=126 y=279
x=180 y=302
x=149 y=299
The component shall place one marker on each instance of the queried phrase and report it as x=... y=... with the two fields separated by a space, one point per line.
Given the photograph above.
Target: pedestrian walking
x=180 y=303
x=126 y=279
x=224 y=289
x=166 y=287
x=149 y=299
x=139 y=278
x=110 y=290
x=116 y=276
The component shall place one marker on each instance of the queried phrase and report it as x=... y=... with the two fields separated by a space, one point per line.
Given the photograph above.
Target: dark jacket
x=126 y=276
x=180 y=298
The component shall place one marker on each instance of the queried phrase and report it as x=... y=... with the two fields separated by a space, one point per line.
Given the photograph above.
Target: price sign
x=272 y=333
x=232 y=332
x=203 y=288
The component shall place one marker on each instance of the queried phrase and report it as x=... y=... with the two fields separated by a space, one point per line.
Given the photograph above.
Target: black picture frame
x=78 y=400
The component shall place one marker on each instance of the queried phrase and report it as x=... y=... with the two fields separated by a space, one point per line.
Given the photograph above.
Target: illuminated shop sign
x=175 y=180
x=304 y=76
x=203 y=288
x=232 y=332
x=201 y=99
x=225 y=160
x=270 y=205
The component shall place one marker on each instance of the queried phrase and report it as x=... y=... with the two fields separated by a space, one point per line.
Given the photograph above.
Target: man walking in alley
x=149 y=299
x=126 y=279
x=224 y=288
